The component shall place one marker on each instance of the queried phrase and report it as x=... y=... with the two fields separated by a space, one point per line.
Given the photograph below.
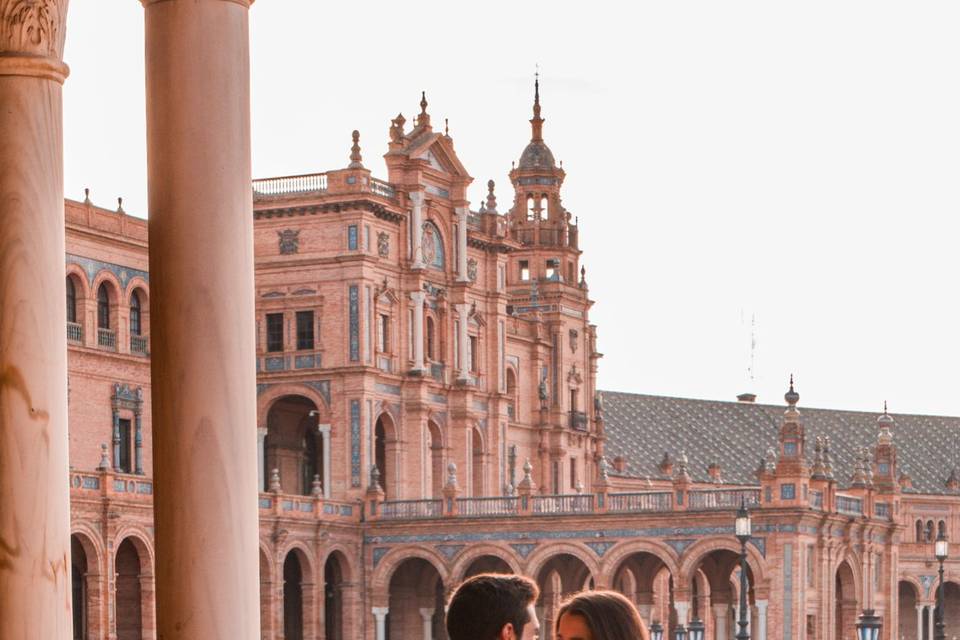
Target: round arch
x=343 y=556
x=79 y=275
x=502 y=551
x=386 y=454
x=304 y=556
x=541 y=556
x=140 y=541
x=914 y=584
x=268 y=398
x=90 y=542
x=695 y=554
x=380 y=583
x=114 y=290
x=617 y=554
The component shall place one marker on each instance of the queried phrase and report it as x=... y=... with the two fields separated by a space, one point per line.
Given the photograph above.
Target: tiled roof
x=736 y=435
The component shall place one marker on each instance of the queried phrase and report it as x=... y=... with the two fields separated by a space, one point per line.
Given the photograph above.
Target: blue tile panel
x=354 y=323
x=354 y=443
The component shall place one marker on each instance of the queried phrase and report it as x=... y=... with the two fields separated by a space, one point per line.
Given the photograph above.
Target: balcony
x=488 y=507
x=107 y=339
x=290 y=185
x=578 y=421
x=562 y=504
x=138 y=345
x=74 y=333
x=411 y=509
x=723 y=498
x=649 y=501
x=850 y=506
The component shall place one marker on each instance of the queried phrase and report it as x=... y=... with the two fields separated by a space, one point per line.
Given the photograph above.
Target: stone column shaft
x=930 y=621
x=416 y=229
x=720 y=621
x=426 y=615
x=919 y=609
x=202 y=305
x=463 y=341
x=34 y=496
x=261 y=458
x=761 y=620
x=418 y=298
x=324 y=430
x=683 y=609
x=380 y=617
x=116 y=440
x=462 y=245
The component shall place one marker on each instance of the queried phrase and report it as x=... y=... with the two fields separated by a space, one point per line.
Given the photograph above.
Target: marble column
x=462 y=245
x=720 y=621
x=324 y=430
x=380 y=618
x=682 y=609
x=463 y=341
x=261 y=458
x=930 y=621
x=34 y=500
x=761 y=620
x=138 y=443
x=418 y=297
x=919 y=609
x=202 y=304
x=416 y=229
x=426 y=615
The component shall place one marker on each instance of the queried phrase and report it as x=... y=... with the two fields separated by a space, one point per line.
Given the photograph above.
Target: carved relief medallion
x=383 y=244
x=472 y=269
x=289 y=241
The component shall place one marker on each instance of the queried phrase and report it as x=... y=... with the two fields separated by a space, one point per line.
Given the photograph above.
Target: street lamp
x=743 y=528
x=868 y=625
x=941 y=549
x=656 y=631
x=680 y=633
x=695 y=630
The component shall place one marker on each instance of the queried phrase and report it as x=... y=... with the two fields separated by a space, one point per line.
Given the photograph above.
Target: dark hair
x=608 y=615
x=484 y=604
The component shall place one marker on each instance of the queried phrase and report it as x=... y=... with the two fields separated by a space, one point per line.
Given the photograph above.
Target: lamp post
x=656 y=631
x=680 y=633
x=868 y=625
x=695 y=630
x=743 y=528
x=941 y=549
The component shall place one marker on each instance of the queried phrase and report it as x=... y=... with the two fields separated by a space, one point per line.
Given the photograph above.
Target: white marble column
x=418 y=298
x=380 y=616
x=919 y=609
x=761 y=620
x=463 y=341
x=427 y=616
x=261 y=461
x=683 y=609
x=416 y=229
x=462 y=245
x=720 y=621
x=324 y=431
x=930 y=621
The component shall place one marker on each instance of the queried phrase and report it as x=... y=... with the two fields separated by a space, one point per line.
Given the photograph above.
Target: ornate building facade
x=426 y=409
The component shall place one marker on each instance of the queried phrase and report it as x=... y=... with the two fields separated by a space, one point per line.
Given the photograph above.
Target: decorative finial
x=491 y=198
x=275 y=481
x=375 y=478
x=423 y=103
x=120 y=205
x=446 y=127
x=396 y=128
x=316 y=487
x=86 y=196
x=604 y=469
x=791 y=396
x=356 y=160
x=451 y=474
x=104 y=458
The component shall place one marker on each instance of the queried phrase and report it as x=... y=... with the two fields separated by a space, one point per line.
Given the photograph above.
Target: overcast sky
x=796 y=163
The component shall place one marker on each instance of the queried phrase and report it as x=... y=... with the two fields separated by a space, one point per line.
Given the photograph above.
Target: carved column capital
x=32 y=33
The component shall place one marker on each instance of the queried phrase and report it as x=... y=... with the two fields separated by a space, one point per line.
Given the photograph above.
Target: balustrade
x=723 y=498
x=107 y=339
x=491 y=506
x=290 y=185
x=562 y=503
x=848 y=505
x=651 y=501
x=410 y=509
x=74 y=332
x=138 y=345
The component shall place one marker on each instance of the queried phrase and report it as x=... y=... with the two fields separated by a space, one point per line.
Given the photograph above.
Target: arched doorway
x=476 y=448
x=434 y=480
x=128 y=600
x=416 y=600
x=333 y=582
x=645 y=579
x=292 y=598
x=845 y=601
x=715 y=593
x=487 y=564
x=561 y=576
x=907 y=597
x=293 y=445
x=384 y=453
x=81 y=599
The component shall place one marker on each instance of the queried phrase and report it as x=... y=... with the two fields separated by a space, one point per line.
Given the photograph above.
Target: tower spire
x=537 y=122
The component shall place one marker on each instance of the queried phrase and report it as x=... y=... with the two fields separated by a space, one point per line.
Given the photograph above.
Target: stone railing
x=75 y=332
x=410 y=509
x=382 y=188
x=111 y=484
x=723 y=498
x=138 y=345
x=562 y=503
x=578 y=420
x=492 y=506
x=651 y=501
x=307 y=507
x=107 y=339
x=848 y=505
x=290 y=185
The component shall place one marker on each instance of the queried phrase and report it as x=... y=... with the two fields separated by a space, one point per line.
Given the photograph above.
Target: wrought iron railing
x=640 y=502
x=74 y=332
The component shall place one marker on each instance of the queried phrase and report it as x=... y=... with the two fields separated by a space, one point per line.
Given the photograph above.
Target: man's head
x=493 y=607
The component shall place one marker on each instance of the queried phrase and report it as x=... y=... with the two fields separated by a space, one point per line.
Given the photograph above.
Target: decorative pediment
x=385 y=294
x=475 y=317
x=438 y=151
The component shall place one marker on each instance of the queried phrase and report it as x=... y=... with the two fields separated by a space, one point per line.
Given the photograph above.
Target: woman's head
x=599 y=615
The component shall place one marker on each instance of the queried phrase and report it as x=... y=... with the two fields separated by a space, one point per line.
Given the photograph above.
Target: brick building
x=427 y=409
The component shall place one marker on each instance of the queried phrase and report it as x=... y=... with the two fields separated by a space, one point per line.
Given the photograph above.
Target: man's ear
x=507 y=633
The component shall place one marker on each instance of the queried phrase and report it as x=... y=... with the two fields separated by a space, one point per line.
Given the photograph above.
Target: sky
x=790 y=167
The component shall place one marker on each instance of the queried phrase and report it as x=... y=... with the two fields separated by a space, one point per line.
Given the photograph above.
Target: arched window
x=531 y=208
x=71 y=300
x=136 y=327
x=103 y=307
x=431 y=339
x=919 y=530
x=929 y=531
x=432 y=246
x=942 y=529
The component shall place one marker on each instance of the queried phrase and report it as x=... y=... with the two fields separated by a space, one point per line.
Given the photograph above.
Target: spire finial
x=423 y=102
x=446 y=127
x=86 y=195
x=356 y=160
x=884 y=407
x=491 y=198
x=791 y=396
x=537 y=122
x=120 y=205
